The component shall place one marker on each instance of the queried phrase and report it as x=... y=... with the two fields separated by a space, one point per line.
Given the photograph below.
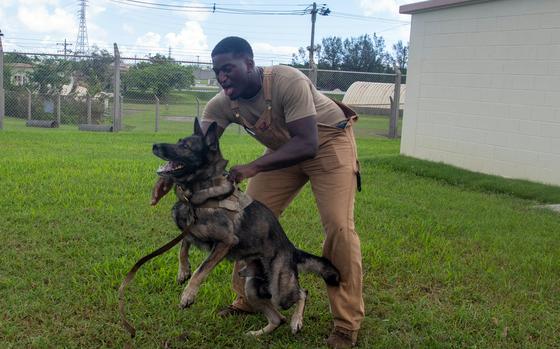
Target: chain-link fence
x=111 y=93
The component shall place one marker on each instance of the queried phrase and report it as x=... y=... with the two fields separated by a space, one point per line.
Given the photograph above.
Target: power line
x=207 y=8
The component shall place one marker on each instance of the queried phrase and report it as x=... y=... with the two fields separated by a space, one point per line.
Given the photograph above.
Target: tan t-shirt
x=293 y=97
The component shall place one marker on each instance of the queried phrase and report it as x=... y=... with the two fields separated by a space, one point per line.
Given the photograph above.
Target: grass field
x=451 y=258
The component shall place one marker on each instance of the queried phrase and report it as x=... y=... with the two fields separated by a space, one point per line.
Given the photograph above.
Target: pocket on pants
x=329 y=158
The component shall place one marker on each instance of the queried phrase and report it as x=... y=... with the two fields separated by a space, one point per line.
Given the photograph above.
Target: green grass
x=451 y=258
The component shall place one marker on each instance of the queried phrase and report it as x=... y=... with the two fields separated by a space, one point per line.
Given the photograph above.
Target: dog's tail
x=321 y=266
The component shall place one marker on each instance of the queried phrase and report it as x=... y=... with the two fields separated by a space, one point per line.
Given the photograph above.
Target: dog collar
x=221 y=193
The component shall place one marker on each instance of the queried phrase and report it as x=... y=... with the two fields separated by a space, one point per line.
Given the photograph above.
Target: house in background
x=483 y=86
x=20 y=73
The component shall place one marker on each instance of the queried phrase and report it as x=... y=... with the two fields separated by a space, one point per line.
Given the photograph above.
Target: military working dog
x=217 y=217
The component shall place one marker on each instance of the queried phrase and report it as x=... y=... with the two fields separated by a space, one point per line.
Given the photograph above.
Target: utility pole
x=169 y=54
x=323 y=11
x=312 y=47
x=66 y=50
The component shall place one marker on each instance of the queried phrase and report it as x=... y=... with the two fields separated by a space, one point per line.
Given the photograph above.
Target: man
x=309 y=138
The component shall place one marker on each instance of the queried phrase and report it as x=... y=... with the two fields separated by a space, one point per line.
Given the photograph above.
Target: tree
x=301 y=59
x=15 y=57
x=95 y=72
x=49 y=75
x=158 y=76
x=400 y=58
x=333 y=53
x=7 y=76
x=365 y=53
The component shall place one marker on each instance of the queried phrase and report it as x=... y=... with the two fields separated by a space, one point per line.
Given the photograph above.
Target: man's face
x=232 y=73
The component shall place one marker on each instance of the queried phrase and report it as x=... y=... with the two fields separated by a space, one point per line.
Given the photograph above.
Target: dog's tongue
x=167 y=167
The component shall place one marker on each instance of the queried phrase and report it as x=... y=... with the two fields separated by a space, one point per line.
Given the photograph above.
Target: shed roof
x=432 y=5
x=372 y=94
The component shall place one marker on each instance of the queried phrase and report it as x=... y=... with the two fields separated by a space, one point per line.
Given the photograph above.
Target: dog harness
x=233 y=200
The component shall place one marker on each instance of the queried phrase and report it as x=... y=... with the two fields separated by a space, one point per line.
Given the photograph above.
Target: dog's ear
x=197 y=127
x=211 y=137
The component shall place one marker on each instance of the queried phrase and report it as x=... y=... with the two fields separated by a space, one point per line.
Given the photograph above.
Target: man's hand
x=241 y=172
x=161 y=188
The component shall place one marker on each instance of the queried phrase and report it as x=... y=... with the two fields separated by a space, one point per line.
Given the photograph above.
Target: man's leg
x=333 y=180
x=274 y=189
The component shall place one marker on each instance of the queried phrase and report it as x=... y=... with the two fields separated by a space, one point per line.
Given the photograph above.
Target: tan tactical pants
x=332 y=174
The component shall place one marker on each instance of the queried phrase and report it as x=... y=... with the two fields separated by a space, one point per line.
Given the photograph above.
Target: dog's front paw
x=183 y=276
x=296 y=324
x=187 y=298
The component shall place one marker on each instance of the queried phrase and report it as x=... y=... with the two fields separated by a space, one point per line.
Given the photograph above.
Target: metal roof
x=372 y=94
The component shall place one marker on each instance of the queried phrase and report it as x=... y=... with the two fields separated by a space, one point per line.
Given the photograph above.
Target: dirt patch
x=555 y=208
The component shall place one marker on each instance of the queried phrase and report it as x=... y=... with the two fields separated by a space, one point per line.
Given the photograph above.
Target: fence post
x=2 y=99
x=28 y=104
x=197 y=107
x=121 y=112
x=117 y=91
x=395 y=105
x=157 y=113
x=88 y=99
x=58 y=109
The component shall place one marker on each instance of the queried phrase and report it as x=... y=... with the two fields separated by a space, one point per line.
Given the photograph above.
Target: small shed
x=483 y=86
x=372 y=97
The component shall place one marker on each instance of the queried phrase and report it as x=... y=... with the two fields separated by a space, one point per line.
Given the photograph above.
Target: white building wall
x=483 y=88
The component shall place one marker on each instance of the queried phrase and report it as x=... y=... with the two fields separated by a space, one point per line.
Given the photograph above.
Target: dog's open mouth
x=170 y=167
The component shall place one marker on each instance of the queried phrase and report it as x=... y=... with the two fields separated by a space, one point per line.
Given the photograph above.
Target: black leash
x=127 y=326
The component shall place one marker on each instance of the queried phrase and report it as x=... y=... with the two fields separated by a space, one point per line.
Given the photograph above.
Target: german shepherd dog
x=242 y=229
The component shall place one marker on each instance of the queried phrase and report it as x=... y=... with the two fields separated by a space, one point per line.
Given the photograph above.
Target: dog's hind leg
x=297 y=318
x=275 y=319
x=184 y=264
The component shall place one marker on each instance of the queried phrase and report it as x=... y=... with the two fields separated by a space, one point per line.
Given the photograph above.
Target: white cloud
x=37 y=3
x=128 y=28
x=263 y=48
x=374 y=7
x=39 y=19
x=196 y=16
x=191 y=38
x=150 y=41
x=6 y=3
x=94 y=9
x=383 y=8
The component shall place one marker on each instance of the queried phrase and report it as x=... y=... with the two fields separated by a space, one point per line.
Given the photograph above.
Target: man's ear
x=197 y=128
x=211 y=137
x=250 y=63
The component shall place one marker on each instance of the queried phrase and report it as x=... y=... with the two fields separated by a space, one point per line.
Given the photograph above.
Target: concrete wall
x=484 y=88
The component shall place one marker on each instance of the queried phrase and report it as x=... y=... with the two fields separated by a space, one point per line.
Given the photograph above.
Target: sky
x=145 y=27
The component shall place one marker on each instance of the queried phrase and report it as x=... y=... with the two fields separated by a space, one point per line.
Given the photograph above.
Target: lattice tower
x=82 y=46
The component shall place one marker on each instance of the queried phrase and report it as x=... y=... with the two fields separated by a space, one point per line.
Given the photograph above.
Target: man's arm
x=302 y=145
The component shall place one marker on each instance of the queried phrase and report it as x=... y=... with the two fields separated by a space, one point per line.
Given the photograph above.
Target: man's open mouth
x=170 y=167
x=229 y=90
